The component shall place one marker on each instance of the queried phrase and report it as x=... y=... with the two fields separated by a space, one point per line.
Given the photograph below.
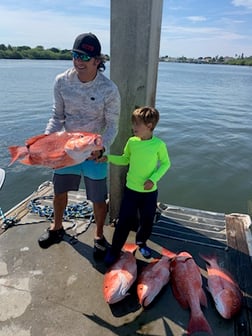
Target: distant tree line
x=25 y=52
x=240 y=61
x=237 y=60
x=39 y=52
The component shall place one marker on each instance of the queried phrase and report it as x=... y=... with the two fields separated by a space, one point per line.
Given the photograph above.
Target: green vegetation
x=25 y=52
x=244 y=61
x=237 y=60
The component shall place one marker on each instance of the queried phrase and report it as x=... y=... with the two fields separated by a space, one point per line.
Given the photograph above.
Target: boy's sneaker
x=145 y=251
x=100 y=248
x=51 y=237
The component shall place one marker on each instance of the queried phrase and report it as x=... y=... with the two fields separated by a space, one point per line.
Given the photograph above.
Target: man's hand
x=95 y=155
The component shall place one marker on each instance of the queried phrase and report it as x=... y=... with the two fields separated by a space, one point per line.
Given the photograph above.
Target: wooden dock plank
x=240 y=264
x=191 y=225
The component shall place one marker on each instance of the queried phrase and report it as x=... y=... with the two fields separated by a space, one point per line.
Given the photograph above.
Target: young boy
x=148 y=161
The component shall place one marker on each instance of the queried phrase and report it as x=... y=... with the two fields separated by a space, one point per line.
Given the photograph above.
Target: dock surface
x=58 y=291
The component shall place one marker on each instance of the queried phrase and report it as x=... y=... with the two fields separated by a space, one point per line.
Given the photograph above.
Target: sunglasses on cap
x=83 y=57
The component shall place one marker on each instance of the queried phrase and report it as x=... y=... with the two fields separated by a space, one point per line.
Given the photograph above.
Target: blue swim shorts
x=89 y=168
x=69 y=178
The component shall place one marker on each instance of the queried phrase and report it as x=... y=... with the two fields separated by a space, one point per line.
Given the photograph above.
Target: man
x=84 y=100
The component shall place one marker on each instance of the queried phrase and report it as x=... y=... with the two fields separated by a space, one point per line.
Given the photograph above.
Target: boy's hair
x=147 y=115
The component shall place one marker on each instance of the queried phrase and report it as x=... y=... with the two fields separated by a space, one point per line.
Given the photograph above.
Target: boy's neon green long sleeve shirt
x=147 y=160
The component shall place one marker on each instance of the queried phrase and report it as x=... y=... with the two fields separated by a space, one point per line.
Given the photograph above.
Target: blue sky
x=190 y=28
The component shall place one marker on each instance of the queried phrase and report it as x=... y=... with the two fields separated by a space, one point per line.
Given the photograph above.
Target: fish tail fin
x=16 y=153
x=198 y=323
x=211 y=260
x=168 y=253
x=208 y=258
x=130 y=247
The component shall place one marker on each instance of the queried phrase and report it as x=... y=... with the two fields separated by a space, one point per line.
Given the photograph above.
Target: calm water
x=206 y=114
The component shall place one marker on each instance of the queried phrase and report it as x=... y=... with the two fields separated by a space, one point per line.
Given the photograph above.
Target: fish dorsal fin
x=32 y=140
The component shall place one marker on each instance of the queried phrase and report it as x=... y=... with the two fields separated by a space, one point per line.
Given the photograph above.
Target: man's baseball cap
x=87 y=43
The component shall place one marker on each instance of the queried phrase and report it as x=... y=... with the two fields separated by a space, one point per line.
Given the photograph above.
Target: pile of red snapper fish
x=186 y=281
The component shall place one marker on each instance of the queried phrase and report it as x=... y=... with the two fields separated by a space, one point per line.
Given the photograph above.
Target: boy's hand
x=148 y=185
x=104 y=158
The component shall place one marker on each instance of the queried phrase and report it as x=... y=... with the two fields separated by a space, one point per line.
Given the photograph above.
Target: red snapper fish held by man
x=224 y=290
x=120 y=276
x=56 y=150
x=186 y=284
x=152 y=279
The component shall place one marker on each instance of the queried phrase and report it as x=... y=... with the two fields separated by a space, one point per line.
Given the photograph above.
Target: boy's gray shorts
x=96 y=190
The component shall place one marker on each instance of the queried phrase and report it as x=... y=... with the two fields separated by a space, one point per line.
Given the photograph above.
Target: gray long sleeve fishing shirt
x=88 y=107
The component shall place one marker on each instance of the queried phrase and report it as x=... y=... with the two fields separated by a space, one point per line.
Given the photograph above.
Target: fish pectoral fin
x=125 y=294
x=57 y=155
